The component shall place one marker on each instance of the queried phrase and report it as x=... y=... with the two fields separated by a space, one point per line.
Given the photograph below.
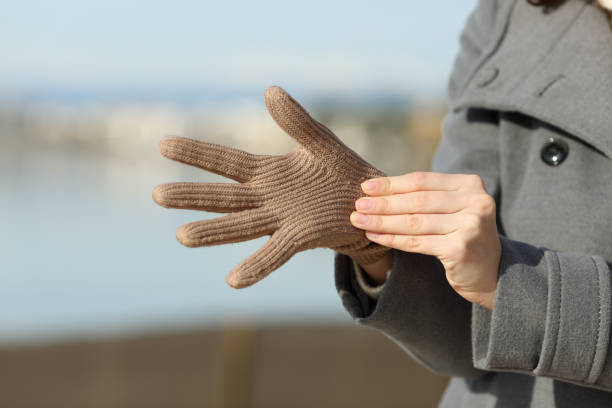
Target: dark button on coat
x=554 y=152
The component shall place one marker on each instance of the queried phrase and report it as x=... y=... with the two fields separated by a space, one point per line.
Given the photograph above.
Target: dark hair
x=551 y=4
x=546 y=3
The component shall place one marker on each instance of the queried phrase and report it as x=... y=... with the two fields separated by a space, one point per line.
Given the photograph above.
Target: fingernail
x=360 y=219
x=364 y=204
x=369 y=185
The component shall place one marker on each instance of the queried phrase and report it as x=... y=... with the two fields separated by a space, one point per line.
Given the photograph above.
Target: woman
x=530 y=99
x=499 y=270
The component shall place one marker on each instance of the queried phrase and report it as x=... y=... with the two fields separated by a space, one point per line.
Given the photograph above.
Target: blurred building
x=231 y=367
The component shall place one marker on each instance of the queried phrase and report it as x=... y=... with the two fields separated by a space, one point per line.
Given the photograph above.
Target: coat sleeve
x=551 y=317
x=416 y=307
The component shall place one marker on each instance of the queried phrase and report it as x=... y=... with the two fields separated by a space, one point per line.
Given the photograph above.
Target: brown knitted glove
x=303 y=199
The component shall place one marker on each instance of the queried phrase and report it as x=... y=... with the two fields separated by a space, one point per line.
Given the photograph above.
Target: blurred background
x=99 y=304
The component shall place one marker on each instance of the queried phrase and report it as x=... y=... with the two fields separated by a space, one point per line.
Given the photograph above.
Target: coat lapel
x=554 y=66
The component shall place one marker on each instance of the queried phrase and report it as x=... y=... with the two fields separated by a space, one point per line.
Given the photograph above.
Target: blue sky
x=106 y=239
x=321 y=46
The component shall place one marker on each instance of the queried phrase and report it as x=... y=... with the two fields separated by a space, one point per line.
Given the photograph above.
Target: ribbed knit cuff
x=370 y=254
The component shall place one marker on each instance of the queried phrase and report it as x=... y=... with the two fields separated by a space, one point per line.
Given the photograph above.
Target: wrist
x=377 y=271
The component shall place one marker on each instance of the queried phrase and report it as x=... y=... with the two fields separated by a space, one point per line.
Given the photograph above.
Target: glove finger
x=273 y=254
x=298 y=123
x=225 y=161
x=214 y=197
x=235 y=227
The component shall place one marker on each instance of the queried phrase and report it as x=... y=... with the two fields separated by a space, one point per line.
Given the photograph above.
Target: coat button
x=487 y=76
x=554 y=152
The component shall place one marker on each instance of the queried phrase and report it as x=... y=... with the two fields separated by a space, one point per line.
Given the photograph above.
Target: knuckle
x=419 y=202
x=386 y=185
x=411 y=242
x=475 y=181
x=382 y=204
x=473 y=224
x=418 y=180
x=483 y=204
x=413 y=222
x=388 y=240
x=375 y=221
x=488 y=205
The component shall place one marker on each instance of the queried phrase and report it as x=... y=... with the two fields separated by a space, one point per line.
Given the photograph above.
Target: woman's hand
x=449 y=216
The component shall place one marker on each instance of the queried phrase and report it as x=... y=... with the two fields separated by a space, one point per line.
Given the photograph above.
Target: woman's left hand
x=449 y=216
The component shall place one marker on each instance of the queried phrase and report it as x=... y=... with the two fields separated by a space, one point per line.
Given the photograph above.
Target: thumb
x=274 y=253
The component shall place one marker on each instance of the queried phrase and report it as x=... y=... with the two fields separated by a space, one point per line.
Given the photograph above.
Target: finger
x=274 y=253
x=215 y=197
x=235 y=227
x=410 y=182
x=427 y=202
x=225 y=161
x=422 y=244
x=407 y=224
x=298 y=123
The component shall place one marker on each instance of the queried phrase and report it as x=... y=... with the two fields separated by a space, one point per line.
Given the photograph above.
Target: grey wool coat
x=531 y=113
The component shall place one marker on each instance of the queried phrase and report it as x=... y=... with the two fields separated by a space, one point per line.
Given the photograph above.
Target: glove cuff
x=369 y=254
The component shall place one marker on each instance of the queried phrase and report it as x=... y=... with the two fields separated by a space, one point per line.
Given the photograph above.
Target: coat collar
x=554 y=66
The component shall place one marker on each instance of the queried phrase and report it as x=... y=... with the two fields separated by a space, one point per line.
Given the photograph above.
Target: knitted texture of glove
x=302 y=199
